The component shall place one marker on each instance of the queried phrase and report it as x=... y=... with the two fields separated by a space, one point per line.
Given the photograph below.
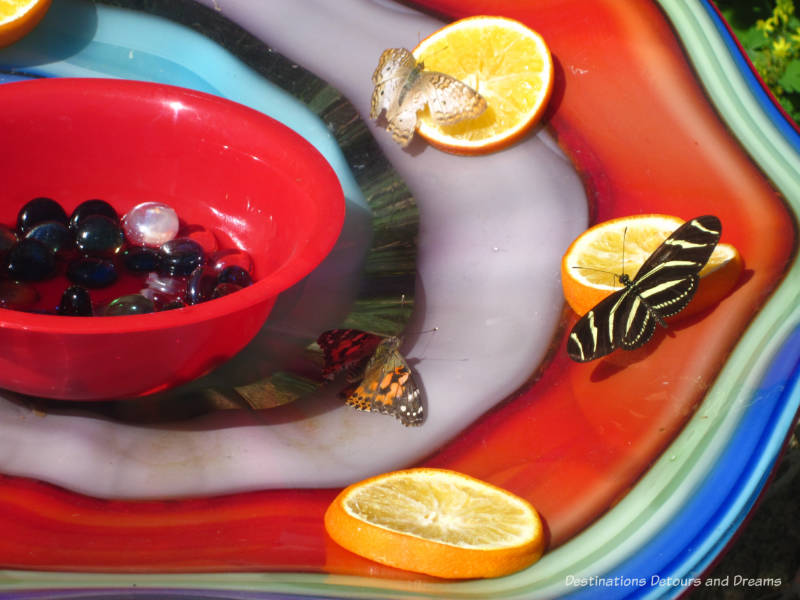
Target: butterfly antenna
x=439 y=49
x=624 y=235
x=419 y=332
x=431 y=330
x=614 y=276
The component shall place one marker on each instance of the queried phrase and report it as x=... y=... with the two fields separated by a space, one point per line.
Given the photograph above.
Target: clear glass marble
x=164 y=284
x=150 y=224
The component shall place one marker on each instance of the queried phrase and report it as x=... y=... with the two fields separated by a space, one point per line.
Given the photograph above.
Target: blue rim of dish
x=705 y=524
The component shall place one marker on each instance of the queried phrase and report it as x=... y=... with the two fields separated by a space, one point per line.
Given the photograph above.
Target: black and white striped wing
x=689 y=247
x=598 y=332
x=620 y=321
x=663 y=286
x=636 y=322
x=666 y=292
x=668 y=278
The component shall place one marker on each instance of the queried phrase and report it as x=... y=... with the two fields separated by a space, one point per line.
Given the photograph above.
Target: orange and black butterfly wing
x=346 y=350
x=389 y=387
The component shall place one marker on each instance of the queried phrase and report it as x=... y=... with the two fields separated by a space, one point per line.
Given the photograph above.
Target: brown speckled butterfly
x=381 y=379
x=403 y=87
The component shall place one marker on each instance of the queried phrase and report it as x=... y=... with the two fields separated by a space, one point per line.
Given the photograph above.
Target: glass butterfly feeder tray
x=618 y=424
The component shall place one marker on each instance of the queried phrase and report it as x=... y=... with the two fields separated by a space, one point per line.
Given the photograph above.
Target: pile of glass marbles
x=94 y=262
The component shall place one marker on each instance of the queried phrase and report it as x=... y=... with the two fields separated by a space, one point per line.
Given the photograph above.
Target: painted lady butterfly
x=381 y=379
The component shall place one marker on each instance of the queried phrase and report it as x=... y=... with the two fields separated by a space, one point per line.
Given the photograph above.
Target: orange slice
x=591 y=266
x=507 y=63
x=18 y=17
x=438 y=522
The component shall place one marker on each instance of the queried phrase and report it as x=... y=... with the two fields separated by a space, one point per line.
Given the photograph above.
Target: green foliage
x=769 y=31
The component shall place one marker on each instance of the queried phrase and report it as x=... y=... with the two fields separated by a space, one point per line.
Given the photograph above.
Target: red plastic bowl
x=219 y=164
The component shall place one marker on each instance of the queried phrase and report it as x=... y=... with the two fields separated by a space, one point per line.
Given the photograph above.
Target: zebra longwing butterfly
x=662 y=287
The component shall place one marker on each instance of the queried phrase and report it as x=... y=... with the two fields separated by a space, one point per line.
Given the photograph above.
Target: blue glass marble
x=30 y=260
x=231 y=256
x=16 y=295
x=98 y=235
x=53 y=234
x=181 y=256
x=92 y=272
x=8 y=239
x=92 y=207
x=201 y=285
x=235 y=274
x=223 y=289
x=39 y=210
x=132 y=304
x=75 y=302
x=141 y=259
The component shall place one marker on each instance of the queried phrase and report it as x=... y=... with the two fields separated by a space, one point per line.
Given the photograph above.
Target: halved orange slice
x=438 y=522
x=504 y=61
x=591 y=266
x=18 y=17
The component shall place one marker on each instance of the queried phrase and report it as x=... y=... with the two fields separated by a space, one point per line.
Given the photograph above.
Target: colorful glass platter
x=643 y=466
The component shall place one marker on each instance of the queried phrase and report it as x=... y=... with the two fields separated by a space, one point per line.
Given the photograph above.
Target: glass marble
x=39 y=210
x=131 y=304
x=201 y=284
x=30 y=260
x=92 y=272
x=92 y=207
x=150 y=224
x=172 y=305
x=53 y=234
x=99 y=236
x=17 y=296
x=223 y=289
x=75 y=302
x=181 y=256
x=202 y=236
x=141 y=259
x=232 y=257
x=8 y=240
x=235 y=274
x=163 y=284
x=162 y=300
